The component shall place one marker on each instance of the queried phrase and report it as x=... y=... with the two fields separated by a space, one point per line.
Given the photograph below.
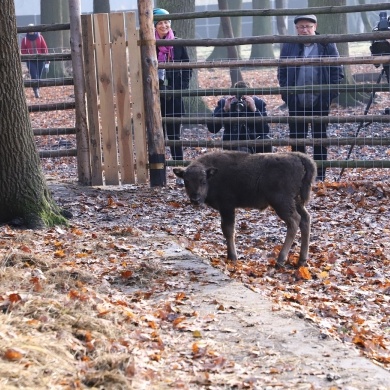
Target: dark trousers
x=35 y=68
x=173 y=107
x=299 y=130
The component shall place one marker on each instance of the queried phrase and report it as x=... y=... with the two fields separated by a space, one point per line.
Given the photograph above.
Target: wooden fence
x=116 y=117
x=116 y=125
x=115 y=97
x=342 y=88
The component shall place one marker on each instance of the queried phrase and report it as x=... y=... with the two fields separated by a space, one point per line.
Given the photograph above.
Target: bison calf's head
x=196 y=181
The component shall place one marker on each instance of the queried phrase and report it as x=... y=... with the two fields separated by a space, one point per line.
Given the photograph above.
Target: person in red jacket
x=34 y=43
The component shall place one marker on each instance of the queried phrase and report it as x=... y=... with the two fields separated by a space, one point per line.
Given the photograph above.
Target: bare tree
x=281 y=21
x=262 y=25
x=24 y=193
x=364 y=16
x=220 y=52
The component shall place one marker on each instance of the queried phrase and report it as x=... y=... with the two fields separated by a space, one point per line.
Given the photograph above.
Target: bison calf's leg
x=292 y=222
x=305 y=234
x=227 y=225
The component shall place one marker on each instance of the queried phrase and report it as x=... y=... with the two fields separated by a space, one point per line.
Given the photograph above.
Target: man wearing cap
x=310 y=103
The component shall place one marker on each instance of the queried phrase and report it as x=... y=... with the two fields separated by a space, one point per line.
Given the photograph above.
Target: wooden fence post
x=92 y=101
x=83 y=163
x=137 y=101
x=156 y=145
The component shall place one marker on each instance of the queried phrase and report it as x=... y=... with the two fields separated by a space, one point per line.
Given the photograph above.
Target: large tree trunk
x=262 y=25
x=24 y=194
x=52 y=12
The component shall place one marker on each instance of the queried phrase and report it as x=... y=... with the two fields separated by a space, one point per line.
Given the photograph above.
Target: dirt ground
x=135 y=293
x=108 y=304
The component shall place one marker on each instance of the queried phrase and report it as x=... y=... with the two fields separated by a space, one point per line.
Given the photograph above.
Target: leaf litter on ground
x=90 y=305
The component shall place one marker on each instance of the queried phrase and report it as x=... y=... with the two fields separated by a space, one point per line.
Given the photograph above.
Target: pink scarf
x=165 y=53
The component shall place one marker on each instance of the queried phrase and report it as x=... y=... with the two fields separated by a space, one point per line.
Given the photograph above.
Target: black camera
x=238 y=105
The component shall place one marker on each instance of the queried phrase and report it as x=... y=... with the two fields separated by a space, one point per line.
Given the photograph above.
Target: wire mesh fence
x=52 y=118
x=357 y=127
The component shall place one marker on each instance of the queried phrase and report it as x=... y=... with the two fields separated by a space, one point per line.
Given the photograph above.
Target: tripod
x=362 y=124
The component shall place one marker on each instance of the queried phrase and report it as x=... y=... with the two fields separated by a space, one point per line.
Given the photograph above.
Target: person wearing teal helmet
x=171 y=79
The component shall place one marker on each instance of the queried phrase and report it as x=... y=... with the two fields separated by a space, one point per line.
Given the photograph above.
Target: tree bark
x=262 y=25
x=24 y=193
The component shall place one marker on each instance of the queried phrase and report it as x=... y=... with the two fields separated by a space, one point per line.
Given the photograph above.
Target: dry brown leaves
x=90 y=305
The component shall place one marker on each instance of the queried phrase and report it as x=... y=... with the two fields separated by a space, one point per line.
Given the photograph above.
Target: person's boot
x=320 y=153
x=36 y=93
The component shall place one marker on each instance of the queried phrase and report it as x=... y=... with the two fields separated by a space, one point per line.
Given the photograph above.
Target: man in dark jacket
x=246 y=108
x=310 y=103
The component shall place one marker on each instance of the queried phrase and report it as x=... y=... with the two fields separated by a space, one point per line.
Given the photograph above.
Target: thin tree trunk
x=235 y=73
x=363 y=15
x=262 y=25
x=220 y=52
x=65 y=19
x=337 y=24
x=51 y=12
x=281 y=21
x=24 y=194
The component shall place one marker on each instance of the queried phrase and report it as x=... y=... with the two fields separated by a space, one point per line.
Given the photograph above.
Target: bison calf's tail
x=309 y=176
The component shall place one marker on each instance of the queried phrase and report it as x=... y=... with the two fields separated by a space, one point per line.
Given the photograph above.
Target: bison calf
x=229 y=180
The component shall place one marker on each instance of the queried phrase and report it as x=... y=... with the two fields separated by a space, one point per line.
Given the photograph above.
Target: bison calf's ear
x=179 y=172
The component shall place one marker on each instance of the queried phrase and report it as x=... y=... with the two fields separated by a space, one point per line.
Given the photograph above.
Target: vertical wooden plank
x=122 y=97
x=92 y=100
x=137 y=98
x=106 y=94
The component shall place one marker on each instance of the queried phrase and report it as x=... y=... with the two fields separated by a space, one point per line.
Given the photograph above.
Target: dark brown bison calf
x=230 y=180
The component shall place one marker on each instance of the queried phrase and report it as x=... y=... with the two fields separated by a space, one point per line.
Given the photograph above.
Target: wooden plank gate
x=115 y=104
